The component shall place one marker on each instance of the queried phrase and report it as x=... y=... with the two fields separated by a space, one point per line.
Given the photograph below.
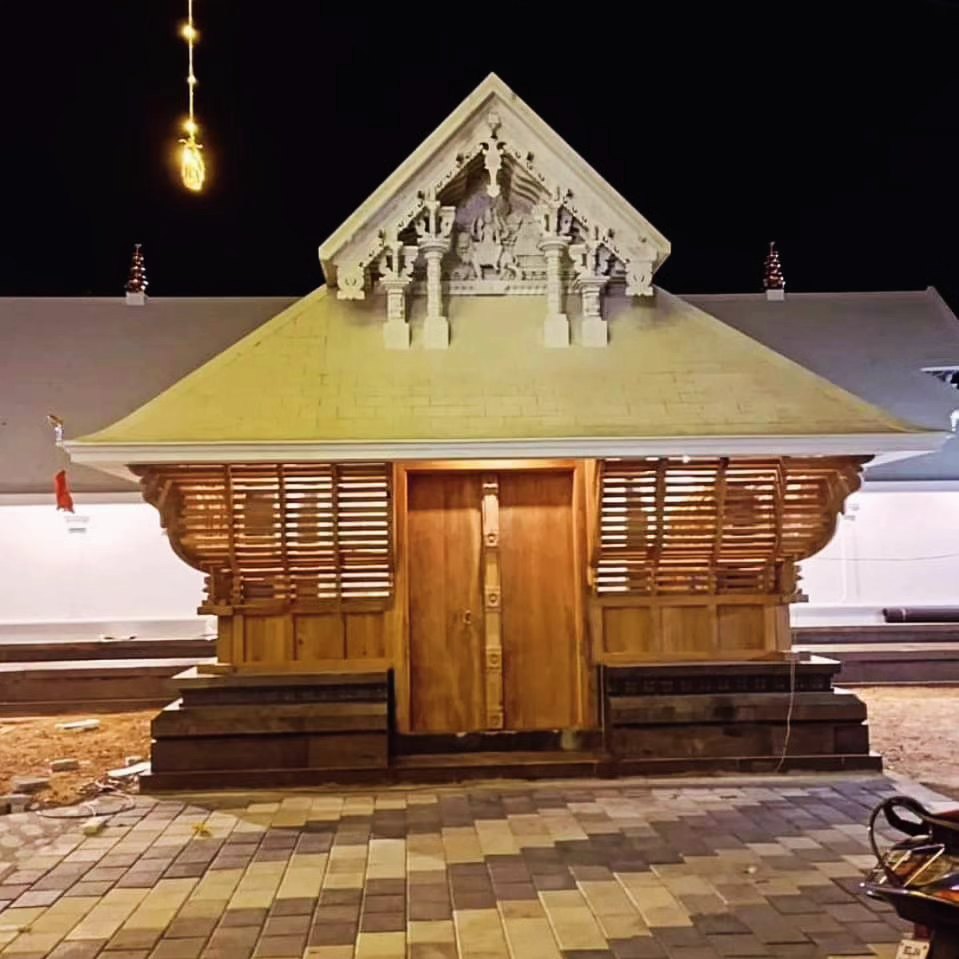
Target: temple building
x=491 y=498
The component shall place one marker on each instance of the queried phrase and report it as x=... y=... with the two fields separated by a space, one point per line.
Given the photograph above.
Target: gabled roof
x=554 y=161
x=315 y=383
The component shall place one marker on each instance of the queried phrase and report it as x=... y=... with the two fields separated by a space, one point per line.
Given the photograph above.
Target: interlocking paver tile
x=178 y=949
x=619 y=870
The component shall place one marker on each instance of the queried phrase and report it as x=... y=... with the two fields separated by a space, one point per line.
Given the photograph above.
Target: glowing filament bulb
x=192 y=167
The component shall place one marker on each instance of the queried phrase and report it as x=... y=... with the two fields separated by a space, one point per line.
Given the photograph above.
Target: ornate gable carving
x=494 y=203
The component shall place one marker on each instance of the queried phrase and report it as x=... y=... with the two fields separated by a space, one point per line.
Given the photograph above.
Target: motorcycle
x=919 y=876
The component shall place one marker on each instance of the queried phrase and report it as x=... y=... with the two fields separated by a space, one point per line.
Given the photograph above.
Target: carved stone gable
x=494 y=203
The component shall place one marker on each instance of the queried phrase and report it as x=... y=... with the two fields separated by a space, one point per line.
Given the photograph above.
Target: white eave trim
x=115 y=457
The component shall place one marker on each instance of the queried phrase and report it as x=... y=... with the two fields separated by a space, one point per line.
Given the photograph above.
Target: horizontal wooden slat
x=713 y=525
x=297 y=534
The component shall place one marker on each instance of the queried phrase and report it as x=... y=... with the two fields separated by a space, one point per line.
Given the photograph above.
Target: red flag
x=62 y=489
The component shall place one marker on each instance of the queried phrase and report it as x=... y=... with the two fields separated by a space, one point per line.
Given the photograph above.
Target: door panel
x=446 y=602
x=540 y=676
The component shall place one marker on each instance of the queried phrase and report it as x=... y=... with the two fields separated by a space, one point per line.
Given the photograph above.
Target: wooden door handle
x=467 y=617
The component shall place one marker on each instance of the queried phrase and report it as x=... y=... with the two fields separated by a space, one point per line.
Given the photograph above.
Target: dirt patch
x=916 y=729
x=27 y=747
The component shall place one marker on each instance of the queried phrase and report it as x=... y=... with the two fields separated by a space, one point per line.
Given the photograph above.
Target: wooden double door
x=494 y=642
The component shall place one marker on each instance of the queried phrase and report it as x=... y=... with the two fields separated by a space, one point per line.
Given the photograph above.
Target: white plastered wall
x=894 y=547
x=119 y=575
x=107 y=569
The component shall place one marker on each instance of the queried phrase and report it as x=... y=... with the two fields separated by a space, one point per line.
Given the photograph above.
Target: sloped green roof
x=319 y=372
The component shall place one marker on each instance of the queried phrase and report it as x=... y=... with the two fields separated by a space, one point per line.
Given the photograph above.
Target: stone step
x=447 y=767
x=246 y=752
x=177 y=720
x=735 y=708
x=264 y=688
x=498 y=741
x=732 y=740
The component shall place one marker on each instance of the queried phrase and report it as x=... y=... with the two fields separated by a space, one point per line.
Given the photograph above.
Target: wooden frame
x=758 y=513
x=398 y=618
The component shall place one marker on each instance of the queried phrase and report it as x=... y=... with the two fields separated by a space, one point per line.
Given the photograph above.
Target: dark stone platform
x=756 y=716
x=274 y=730
x=231 y=730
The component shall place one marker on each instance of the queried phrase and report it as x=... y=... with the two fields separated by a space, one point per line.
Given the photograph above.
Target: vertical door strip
x=492 y=612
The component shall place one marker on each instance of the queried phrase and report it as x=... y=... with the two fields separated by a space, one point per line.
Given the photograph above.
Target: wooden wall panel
x=365 y=637
x=224 y=639
x=676 y=628
x=320 y=637
x=741 y=627
x=268 y=639
x=631 y=629
x=687 y=630
x=540 y=670
x=446 y=603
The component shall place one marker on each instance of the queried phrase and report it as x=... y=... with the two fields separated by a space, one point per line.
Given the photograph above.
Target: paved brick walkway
x=581 y=870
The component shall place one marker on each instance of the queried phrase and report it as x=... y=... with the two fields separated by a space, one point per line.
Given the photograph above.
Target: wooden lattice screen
x=298 y=536
x=713 y=525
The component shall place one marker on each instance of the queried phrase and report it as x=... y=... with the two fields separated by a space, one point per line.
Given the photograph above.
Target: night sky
x=830 y=127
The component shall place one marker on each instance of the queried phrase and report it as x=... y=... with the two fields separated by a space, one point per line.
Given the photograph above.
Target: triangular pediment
x=492 y=181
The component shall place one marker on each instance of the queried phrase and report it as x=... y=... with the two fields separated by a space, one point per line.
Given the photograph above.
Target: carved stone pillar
x=396 y=270
x=591 y=262
x=436 y=330
x=434 y=229
x=556 y=222
x=396 y=332
x=556 y=324
x=595 y=332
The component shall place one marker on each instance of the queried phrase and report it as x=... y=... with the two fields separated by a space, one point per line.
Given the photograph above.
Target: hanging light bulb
x=192 y=167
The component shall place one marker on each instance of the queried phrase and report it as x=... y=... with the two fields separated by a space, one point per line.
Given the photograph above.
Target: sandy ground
x=916 y=729
x=28 y=746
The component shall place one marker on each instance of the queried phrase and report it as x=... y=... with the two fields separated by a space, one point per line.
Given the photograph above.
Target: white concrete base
x=436 y=333
x=396 y=336
x=777 y=295
x=595 y=332
x=556 y=330
x=136 y=299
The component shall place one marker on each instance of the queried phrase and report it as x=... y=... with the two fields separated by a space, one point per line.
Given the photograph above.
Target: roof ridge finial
x=137 y=283
x=773 y=280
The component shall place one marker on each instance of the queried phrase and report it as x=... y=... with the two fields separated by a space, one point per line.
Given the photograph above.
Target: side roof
x=90 y=361
x=315 y=383
x=875 y=345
